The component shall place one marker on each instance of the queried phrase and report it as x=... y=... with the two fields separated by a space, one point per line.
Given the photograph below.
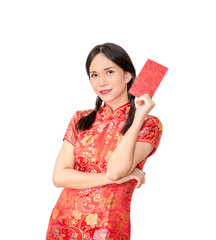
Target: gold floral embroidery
x=112 y=201
x=124 y=218
x=73 y=221
x=97 y=198
x=57 y=231
x=107 y=110
x=119 y=137
x=67 y=200
x=76 y=215
x=160 y=126
x=55 y=213
x=102 y=203
x=87 y=140
x=74 y=235
x=92 y=220
x=108 y=155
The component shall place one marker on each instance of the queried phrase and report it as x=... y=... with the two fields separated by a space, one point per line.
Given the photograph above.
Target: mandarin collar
x=120 y=112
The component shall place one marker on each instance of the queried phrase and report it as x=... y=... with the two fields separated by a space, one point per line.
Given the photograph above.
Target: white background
x=43 y=48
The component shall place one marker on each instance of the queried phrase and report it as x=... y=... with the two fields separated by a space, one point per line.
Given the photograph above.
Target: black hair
x=120 y=57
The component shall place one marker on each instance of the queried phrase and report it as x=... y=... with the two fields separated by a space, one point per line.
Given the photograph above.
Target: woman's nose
x=103 y=81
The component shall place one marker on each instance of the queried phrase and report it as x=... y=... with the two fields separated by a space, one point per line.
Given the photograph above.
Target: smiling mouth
x=104 y=92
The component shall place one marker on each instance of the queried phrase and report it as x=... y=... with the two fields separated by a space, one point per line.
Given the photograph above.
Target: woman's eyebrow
x=92 y=71
x=104 y=69
x=108 y=68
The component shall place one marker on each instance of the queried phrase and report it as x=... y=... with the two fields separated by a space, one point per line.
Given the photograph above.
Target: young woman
x=103 y=153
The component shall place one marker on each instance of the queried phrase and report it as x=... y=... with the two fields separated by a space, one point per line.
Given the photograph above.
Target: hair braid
x=87 y=121
x=98 y=103
x=131 y=114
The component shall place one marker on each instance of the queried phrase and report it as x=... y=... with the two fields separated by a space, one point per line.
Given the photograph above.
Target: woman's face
x=109 y=81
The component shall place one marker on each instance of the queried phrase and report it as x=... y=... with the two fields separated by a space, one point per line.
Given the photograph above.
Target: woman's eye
x=93 y=75
x=110 y=71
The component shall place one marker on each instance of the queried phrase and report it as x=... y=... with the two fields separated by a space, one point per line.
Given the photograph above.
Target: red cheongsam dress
x=102 y=212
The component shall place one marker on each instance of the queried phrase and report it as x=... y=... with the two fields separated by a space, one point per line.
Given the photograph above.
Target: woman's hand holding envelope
x=144 y=105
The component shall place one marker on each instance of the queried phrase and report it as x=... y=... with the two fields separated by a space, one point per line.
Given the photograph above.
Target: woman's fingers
x=144 y=97
x=144 y=105
x=140 y=177
x=145 y=100
x=140 y=102
x=139 y=184
x=140 y=173
x=137 y=174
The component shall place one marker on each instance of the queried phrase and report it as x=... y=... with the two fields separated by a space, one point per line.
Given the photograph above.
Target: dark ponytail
x=120 y=57
x=87 y=121
x=131 y=113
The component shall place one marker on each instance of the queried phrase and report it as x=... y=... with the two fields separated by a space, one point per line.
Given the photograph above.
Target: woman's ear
x=128 y=77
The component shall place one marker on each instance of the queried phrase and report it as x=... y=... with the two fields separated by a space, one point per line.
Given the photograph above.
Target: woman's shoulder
x=152 y=120
x=80 y=114
x=152 y=117
x=83 y=113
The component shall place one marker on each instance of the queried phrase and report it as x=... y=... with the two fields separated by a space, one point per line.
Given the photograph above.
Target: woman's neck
x=116 y=105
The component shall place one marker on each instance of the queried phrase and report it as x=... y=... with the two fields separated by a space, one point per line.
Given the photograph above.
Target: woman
x=103 y=152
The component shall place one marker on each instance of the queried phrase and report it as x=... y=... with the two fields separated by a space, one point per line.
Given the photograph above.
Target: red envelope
x=148 y=79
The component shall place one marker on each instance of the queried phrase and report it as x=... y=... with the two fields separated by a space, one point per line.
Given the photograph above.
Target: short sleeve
x=151 y=132
x=71 y=132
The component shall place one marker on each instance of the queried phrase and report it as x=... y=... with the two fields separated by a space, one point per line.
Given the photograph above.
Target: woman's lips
x=104 y=92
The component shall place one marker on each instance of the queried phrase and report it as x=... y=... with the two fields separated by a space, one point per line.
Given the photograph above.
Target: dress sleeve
x=151 y=132
x=71 y=132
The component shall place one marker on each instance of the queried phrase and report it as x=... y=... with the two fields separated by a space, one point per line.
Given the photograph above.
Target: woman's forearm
x=71 y=178
x=121 y=160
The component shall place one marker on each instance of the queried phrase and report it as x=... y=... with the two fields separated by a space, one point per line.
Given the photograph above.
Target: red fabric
x=148 y=79
x=103 y=212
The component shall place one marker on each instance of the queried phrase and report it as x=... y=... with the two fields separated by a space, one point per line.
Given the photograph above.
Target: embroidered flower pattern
x=57 y=231
x=76 y=215
x=87 y=140
x=55 y=213
x=101 y=234
x=92 y=220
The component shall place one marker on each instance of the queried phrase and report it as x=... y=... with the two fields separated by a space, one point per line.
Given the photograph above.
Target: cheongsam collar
x=120 y=112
